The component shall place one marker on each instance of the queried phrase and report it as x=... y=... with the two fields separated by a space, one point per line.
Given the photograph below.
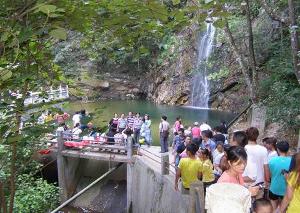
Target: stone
x=121 y=88
x=135 y=90
x=104 y=84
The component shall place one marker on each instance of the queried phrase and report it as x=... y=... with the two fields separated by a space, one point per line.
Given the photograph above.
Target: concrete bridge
x=150 y=177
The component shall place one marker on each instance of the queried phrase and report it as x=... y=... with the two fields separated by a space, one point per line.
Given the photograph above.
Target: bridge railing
x=99 y=144
x=53 y=94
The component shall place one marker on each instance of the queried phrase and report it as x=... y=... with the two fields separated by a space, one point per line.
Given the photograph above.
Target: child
x=208 y=177
x=262 y=206
x=178 y=140
x=270 y=144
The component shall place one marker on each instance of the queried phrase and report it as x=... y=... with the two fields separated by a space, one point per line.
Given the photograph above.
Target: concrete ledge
x=95 y=155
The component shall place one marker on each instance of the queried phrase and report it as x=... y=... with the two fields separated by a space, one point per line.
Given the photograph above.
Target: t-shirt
x=76 y=132
x=219 y=137
x=196 y=133
x=190 y=168
x=130 y=121
x=164 y=126
x=176 y=126
x=137 y=123
x=122 y=122
x=210 y=144
x=294 y=206
x=204 y=126
x=207 y=171
x=177 y=141
x=278 y=183
x=272 y=154
x=257 y=158
x=76 y=119
x=226 y=178
x=217 y=156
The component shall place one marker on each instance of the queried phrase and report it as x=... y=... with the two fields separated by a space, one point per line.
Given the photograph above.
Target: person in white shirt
x=76 y=118
x=256 y=170
x=164 y=128
x=217 y=155
x=270 y=144
x=204 y=126
x=76 y=131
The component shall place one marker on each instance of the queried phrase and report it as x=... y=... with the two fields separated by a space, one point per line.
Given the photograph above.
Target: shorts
x=273 y=196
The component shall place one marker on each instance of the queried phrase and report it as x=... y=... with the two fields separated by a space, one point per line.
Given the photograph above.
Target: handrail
x=239 y=115
x=86 y=188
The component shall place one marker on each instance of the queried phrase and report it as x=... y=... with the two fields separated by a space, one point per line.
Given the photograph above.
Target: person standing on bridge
x=164 y=128
x=130 y=120
x=137 y=124
x=122 y=123
x=189 y=169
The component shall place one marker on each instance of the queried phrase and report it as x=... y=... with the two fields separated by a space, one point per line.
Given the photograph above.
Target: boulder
x=104 y=84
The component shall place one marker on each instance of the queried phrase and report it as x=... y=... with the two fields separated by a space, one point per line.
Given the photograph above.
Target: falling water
x=200 y=85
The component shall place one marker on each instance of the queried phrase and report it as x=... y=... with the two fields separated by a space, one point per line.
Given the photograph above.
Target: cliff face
x=167 y=83
x=172 y=82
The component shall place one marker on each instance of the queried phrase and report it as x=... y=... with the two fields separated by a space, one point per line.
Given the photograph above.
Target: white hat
x=196 y=124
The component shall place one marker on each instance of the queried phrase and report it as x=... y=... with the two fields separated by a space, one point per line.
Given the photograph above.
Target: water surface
x=105 y=110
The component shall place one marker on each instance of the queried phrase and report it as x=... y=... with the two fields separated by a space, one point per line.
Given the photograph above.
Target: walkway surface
x=152 y=157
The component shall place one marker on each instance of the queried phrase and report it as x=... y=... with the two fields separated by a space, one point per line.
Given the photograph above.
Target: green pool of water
x=104 y=111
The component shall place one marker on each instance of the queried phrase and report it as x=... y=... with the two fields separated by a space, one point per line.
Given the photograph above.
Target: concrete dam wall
x=136 y=187
x=155 y=193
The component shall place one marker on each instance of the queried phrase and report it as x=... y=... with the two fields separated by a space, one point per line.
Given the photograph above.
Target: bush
x=35 y=195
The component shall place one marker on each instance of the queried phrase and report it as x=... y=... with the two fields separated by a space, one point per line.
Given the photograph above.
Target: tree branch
x=240 y=60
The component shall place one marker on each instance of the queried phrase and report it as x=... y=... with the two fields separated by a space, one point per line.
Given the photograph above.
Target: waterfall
x=200 y=84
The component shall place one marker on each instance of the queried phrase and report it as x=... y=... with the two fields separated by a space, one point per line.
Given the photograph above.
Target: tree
x=290 y=21
x=295 y=45
x=27 y=32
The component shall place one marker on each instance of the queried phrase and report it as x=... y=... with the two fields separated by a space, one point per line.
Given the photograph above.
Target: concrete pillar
x=129 y=174
x=197 y=199
x=63 y=195
x=165 y=163
x=258 y=118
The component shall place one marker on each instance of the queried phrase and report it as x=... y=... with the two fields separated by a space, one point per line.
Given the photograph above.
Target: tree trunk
x=2 y=198
x=13 y=177
x=14 y=148
x=251 y=49
x=241 y=61
x=294 y=39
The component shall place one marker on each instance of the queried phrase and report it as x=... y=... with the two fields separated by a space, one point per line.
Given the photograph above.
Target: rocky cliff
x=171 y=81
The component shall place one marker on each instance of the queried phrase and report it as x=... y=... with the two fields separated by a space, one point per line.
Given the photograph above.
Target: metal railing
x=52 y=95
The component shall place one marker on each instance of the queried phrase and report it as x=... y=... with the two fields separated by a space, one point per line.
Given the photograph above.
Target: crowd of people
x=267 y=170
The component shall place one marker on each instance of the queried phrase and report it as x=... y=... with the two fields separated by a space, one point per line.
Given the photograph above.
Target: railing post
x=129 y=174
x=165 y=163
x=197 y=204
x=61 y=168
x=129 y=147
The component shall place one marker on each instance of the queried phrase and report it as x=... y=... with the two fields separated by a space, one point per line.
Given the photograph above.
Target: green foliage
x=281 y=91
x=168 y=49
x=222 y=73
x=35 y=195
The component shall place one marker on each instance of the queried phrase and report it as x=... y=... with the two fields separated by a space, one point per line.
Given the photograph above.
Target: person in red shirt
x=196 y=134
